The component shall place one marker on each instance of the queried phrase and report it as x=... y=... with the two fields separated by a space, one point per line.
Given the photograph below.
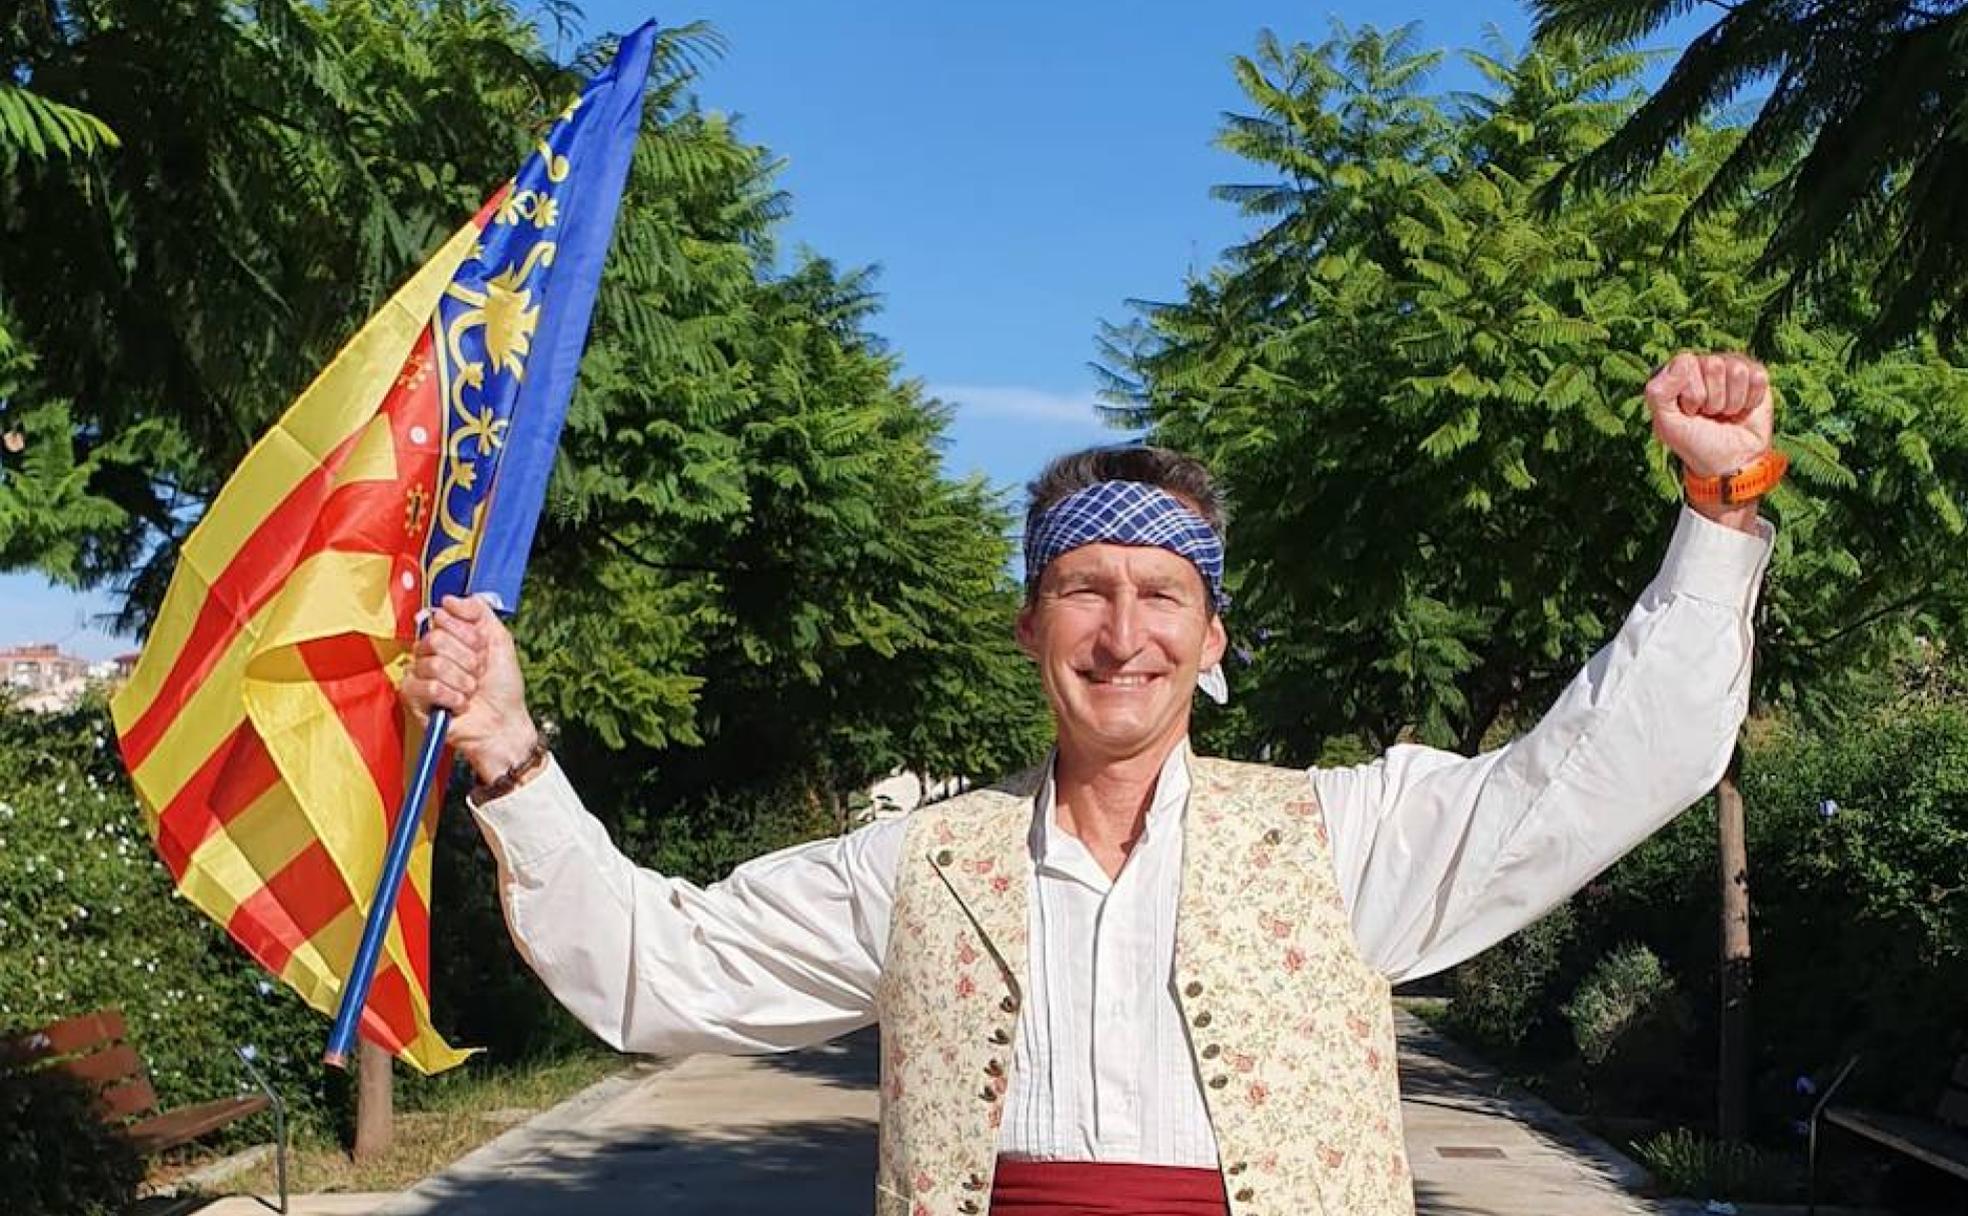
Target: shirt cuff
x=1709 y=561
x=536 y=820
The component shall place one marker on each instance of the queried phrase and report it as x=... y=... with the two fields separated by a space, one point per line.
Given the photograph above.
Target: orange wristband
x=1752 y=481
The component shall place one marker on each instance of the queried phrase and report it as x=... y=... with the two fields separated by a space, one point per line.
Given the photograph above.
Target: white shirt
x=1438 y=856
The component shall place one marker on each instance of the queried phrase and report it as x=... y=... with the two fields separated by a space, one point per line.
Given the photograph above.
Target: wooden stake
x=1732 y=1062
x=375 y=1124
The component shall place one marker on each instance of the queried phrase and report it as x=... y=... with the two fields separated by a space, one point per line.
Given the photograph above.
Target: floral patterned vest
x=1291 y=1032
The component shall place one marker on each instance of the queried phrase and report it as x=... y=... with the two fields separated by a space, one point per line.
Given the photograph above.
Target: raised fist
x=1713 y=411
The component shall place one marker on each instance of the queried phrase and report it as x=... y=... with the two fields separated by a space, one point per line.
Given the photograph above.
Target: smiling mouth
x=1123 y=680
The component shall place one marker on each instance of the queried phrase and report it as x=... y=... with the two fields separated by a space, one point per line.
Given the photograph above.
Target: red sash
x=1105 y=1188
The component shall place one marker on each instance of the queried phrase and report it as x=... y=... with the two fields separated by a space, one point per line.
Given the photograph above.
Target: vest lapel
x=988 y=868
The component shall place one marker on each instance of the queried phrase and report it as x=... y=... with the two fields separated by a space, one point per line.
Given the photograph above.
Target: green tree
x=1857 y=153
x=750 y=512
x=282 y=166
x=1425 y=393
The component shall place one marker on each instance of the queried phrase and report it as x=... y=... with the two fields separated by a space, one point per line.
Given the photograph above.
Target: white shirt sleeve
x=1440 y=856
x=784 y=952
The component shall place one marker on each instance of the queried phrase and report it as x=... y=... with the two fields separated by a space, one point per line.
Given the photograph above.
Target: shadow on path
x=851 y=1062
x=790 y=1133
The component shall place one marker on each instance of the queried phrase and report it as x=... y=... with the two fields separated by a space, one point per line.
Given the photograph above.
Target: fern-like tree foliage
x=1424 y=395
x=1856 y=159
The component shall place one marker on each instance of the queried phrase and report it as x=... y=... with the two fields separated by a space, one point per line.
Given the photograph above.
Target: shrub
x=57 y=1157
x=1623 y=993
x=1858 y=841
x=1499 y=998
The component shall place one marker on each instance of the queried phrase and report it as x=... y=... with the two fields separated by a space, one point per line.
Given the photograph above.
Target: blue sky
x=1018 y=171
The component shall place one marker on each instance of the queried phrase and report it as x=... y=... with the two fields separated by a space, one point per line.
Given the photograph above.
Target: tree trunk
x=1733 y=1063
x=375 y=1125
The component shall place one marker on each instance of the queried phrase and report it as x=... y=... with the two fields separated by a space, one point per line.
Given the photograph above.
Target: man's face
x=1119 y=633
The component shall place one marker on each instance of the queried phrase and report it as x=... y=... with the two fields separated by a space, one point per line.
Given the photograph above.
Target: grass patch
x=438 y=1120
x=1431 y=1011
x=1687 y=1163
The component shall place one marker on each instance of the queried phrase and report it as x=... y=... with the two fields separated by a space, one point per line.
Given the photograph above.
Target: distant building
x=43 y=679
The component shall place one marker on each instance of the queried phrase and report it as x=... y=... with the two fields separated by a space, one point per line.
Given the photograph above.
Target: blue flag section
x=512 y=326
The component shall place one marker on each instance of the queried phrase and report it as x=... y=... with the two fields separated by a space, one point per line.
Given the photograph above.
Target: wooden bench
x=1941 y=1142
x=95 y=1049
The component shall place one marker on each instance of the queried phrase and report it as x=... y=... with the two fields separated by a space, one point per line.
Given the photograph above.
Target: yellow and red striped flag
x=261 y=727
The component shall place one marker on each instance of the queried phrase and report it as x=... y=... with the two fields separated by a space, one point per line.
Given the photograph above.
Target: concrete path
x=1481 y=1147
x=796 y=1134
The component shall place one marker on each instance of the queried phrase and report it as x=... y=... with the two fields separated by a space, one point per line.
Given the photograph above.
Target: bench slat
x=105 y=1068
x=1917 y=1138
x=65 y=1038
x=130 y=1099
x=188 y=1123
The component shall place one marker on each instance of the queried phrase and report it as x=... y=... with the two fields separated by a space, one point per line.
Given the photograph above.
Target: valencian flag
x=261 y=727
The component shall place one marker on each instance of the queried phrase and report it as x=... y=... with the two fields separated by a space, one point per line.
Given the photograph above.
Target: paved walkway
x=796 y=1134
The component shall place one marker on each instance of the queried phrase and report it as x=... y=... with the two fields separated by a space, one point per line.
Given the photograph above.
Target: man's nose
x=1121 y=634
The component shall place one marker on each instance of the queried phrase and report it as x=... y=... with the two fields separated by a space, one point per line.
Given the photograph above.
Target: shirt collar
x=1164 y=809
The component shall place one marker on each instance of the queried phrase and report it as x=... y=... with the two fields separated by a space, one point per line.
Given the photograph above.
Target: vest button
x=1202 y=1019
x=1273 y=836
x=1192 y=988
x=969 y=1207
x=1212 y=1051
x=974 y=1183
x=944 y=857
x=1001 y=1036
x=994 y=1069
x=989 y=1093
x=1244 y=1196
x=1237 y=1167
x=1219 y=1081
x=1009 y=1004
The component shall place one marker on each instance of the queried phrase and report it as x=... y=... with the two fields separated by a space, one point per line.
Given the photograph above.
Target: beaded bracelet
x=509 y=780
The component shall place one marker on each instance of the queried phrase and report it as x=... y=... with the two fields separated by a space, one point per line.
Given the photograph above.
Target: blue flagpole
x=382 y=906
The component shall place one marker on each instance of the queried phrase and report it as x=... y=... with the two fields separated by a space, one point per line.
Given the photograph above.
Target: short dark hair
x=1183 y=476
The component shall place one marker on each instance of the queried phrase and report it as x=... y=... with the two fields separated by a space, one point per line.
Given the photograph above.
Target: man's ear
x=1027 y=631
x=1215 y=641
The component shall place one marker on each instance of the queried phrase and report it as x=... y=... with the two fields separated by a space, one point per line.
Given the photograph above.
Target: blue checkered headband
x=1126 y=513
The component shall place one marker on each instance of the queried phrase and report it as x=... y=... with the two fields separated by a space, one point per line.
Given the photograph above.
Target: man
x=1143 y=981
